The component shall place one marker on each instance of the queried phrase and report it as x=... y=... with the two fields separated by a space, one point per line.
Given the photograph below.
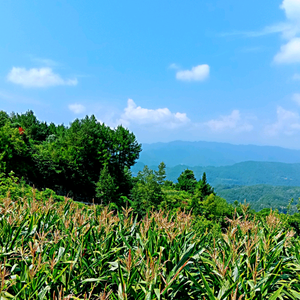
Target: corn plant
x=64 y=250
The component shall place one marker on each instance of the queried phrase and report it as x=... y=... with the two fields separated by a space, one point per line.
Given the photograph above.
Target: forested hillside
x=261 y=196
x=244 y=173
x=75 y=160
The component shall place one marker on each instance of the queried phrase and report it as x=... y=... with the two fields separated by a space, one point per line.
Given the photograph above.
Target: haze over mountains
x=244 y=173
x=213 y=154
x=265 y=176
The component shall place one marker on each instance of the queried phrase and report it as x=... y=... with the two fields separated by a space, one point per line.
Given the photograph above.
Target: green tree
x=187 y=181
x=215 y=207
x=74 y=159
x=14 y=154
x=146 y=193
x=4 y=118
x=106 y=188
x=204 y=187
x=35 y=130
x=161 y=173
x=68 y=159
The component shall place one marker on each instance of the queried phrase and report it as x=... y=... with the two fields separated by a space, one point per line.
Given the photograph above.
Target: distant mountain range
x=265 y=176
x=213 y=154
x=262 y=184
x=244 y=173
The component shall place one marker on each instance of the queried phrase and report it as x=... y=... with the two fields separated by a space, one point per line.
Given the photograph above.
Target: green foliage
x=204 y=187
x=263 y=213
x=15 y=188
x=169 y=184
x=215 y=207
x=186 y=181
x=35 y=130
x=175 y=200
x=106 y=189
x=70 y=159
x=262 y=196
x=4 y=118
x=161 y=173
x=206 y=226
x=211 y=207
x=14 y=153
x=146 y=193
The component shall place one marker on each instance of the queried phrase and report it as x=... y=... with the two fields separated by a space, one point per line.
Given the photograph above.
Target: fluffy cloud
x=290 y=30
x=43 y=77
x=288 y=122
x=198 y=73
x=292 y=9
x=232 y=122
x=161 y=117
x=289 y=53
x=76 y=108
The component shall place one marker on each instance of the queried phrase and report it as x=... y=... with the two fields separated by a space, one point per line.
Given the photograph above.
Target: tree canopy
x=68 y=159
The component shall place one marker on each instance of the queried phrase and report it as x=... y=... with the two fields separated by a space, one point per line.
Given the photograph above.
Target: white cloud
x=161 y=117
x=198 y=73
x=288 y=122
x=289 y=53
x=232 y=122
x=43 y=77
x=76 y=108
x=292 y=9
x=290 y=30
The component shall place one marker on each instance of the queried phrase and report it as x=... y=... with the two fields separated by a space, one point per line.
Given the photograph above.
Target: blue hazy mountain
x=213 y=154
x=244 y=173
x=265 y=176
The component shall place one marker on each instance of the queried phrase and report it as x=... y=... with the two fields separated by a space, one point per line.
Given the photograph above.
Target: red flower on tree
x=21 y=130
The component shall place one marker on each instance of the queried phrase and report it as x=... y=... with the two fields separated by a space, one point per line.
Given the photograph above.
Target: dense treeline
x=69 y=159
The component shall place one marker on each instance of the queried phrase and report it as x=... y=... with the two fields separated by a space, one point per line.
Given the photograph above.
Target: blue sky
x=212 y=70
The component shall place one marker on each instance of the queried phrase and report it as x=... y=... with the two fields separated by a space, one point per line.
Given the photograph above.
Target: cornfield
x=54 y=250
